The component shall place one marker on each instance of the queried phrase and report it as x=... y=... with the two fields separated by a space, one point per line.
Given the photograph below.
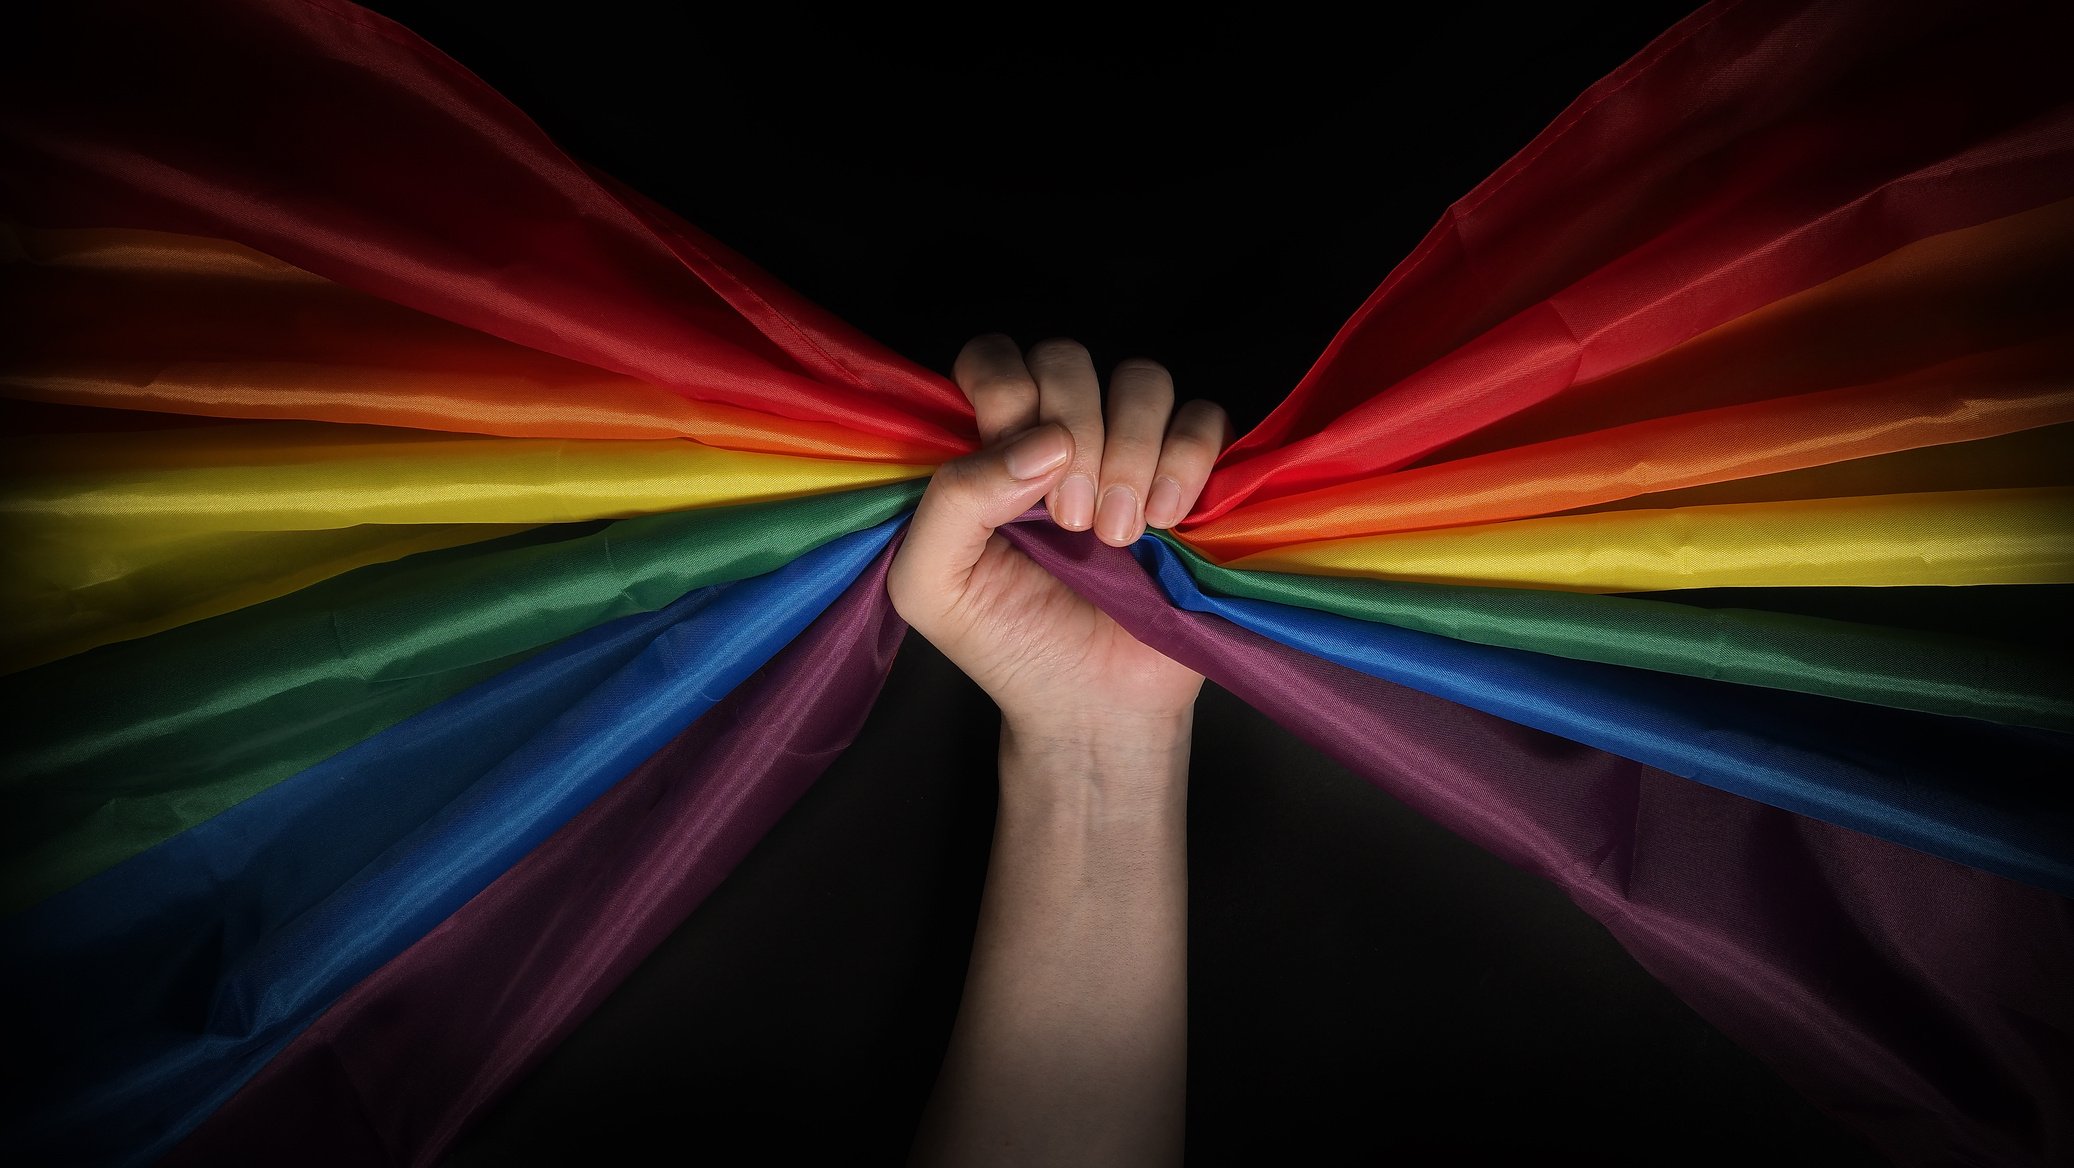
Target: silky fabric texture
x=240 y=875
x=2025 y=458
x=129 y=897
x=1960 y=336
x=1752 y=152
x=2021 y=535
x=1999 y=275
x=568 y=922
x=1756 y=152
x=1884 y=772
x=1746 y=134
x=1936 y=673
x=216 y=712
x=133 y=1094
x=1739 y=184
x=603 y=280
x=148 y=320
x=1944 y=1048
x=132 y=516
x=188 y=580
x=1751 y=914
x=304 y=476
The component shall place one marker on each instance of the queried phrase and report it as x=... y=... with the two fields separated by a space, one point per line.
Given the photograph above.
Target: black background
x=1218 y=193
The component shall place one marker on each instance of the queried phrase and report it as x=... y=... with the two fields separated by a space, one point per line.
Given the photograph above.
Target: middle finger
x=1069 y=394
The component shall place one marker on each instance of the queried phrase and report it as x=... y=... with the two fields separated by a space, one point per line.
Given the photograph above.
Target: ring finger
x=1141 y=396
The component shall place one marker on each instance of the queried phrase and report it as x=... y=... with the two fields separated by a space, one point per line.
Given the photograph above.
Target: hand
x=1053 y=662
x=1071 y=1042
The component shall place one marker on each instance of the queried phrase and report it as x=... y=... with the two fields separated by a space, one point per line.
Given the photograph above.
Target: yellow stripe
x=117 y=535
x=2014 y=536
x=306 y=476
x=52 y=611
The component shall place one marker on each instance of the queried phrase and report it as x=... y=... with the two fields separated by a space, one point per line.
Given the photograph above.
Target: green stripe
x=1907 y=669
x=126 y=745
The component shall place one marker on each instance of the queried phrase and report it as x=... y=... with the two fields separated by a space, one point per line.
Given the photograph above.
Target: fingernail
x=1029 y=456
x=1163 y=508
x=1076 y=509
x=1117 y=522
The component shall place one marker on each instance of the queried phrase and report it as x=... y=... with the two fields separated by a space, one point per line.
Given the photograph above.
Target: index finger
x=991 y=371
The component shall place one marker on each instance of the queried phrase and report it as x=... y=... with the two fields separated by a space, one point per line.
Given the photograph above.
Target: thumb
x=965 y=501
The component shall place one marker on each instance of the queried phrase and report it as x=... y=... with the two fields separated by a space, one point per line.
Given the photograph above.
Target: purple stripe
x=400 y=1064
x=1917 y=999
x=1923 y=1002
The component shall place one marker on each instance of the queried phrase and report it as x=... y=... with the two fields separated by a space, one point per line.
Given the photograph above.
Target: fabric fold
x=304 y=476
x=1888 y=773
x=1936 y=673
x=152 y=320
x=572 y=919
x=410 y=514
x=181 y=581
x=2018 y=535
x=1928 y=1058
x=116 y=144
x=129 y=1070
x=2002 y=393
x=141 y=528
x=1754 y=151
x=215 y=712
x=1753 y=915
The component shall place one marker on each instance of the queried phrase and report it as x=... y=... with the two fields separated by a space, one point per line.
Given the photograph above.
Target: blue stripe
x=1998 y=798
x=170 y=979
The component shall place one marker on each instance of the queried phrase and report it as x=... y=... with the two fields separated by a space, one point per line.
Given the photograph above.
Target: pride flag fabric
x=432 y=565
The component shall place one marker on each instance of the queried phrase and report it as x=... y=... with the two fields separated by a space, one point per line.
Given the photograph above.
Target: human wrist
x=1096 y=764
x=1098 y=734
x=1063 y=708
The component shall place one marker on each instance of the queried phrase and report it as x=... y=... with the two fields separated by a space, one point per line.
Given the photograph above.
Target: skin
x=1071 y=1040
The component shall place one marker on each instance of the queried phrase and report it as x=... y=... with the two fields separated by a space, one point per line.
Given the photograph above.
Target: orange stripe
x=1955 y=338
x=143 y=320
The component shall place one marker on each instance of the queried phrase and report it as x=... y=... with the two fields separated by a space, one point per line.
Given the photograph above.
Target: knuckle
x=1188 y=450
x=986 y=356
x=1088 y=444
x=1001 y=387
x=1205 y=419
x=1057 y=351
x=1142 y=391
x=943 y=490
x=1142 y=368
x=991 y=350
x=956 y=504
x=1130 y=449
x=955 y=478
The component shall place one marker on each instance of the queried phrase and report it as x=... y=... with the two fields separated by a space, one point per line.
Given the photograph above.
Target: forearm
x=1070 y=1045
